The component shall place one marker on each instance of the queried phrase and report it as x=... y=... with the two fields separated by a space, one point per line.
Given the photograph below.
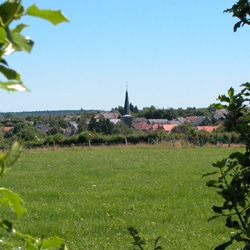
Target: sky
x=167 y=53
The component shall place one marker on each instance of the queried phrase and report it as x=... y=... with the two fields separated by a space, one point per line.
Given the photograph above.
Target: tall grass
x=91 y=196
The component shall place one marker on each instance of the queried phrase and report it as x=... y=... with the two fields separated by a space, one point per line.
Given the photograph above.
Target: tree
x=232 y=174
x=241 y=10
x=25 y=132
x=83 y=122
x=185 y=128
x=104 y=126
x=11 y=40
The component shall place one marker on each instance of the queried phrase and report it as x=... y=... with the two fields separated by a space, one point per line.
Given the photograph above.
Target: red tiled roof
x=169 y=127
x=207 y=128
x=190 y=118
x=143 y=126
x=6 y=129
x=166 y=127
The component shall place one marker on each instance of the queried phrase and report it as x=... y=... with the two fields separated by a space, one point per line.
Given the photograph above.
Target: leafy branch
x=11 y=40
x=139 y=242
x=232 y=175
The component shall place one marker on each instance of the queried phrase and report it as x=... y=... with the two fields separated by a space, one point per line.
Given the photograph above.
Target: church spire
x=127 y=118
x=126 y=105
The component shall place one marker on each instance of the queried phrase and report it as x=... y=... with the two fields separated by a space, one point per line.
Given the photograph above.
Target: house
x=140 y=119
x=208 y=128
x=42 y=127
x=166 y=127
x=201 y=121
x=190 y=118
x=198 y=120
x=115 y=121
x=220 y=114
x=73 y=127
x=157 y=121
x=177 y=121
x=143 y=126
x=107 y=115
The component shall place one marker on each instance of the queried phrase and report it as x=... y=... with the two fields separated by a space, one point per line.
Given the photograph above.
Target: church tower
x=127 y=118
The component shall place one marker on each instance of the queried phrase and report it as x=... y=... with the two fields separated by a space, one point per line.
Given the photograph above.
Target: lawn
x=91 y=196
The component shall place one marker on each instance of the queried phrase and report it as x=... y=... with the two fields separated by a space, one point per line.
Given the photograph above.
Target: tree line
x=103 y=131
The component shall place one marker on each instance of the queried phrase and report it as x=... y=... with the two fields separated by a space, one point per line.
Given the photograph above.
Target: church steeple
x=127 y=118
x=126 y=110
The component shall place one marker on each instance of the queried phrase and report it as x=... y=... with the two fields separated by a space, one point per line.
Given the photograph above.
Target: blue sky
x=171 y=54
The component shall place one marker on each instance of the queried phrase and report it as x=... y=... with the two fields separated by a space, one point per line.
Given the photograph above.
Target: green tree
x=104 y=126
x=232 y=174
x=83 y=122
x=241 y=10
x=11 y=40
x=25 y=132
x=186 y=128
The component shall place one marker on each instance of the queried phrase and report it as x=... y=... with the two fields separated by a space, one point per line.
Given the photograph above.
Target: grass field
x=91 y=196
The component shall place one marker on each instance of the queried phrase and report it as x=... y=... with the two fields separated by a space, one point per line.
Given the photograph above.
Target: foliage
x=186 y=128
x=11 y=39
x=241 y=10
x=25 y=132
x=15 y=203
x=232 y=174
x=160 y=113
x=140 y=242
x=104 y=126
x=54 y=139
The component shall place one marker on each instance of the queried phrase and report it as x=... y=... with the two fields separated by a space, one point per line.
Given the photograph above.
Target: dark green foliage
x=25 y=132
x=139 y=242
x=54 y=139
x=186 y=128
x=232 y=175
x=241 y=10
x=104 y=126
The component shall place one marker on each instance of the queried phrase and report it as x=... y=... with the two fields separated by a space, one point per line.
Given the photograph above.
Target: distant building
x=127 y=118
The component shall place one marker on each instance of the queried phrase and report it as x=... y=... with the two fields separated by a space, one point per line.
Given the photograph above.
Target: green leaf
x=211 y=183
x=3 y=61
x=2 y=163
x=220 y=164
x=224 y=98
x=13 y=86
x=230 y=92
x=232 y=224
x=13 y=154
x=53 y=242
x=13 y=201
x=217 y=210
x=208 y=174
x=20 y=27
x=213 y=217
x=3 y=35
x=10 y=10
x=237 y=25
x=10 y=74
x=20 y=42
x=224 y=245
x=218 y=106
x=52 y=16
x=7 y=225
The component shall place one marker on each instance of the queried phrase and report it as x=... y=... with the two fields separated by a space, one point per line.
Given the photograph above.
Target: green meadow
x=91 y=196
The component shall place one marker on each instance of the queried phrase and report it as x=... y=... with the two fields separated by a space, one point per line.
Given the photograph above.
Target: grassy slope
x=90 y=197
